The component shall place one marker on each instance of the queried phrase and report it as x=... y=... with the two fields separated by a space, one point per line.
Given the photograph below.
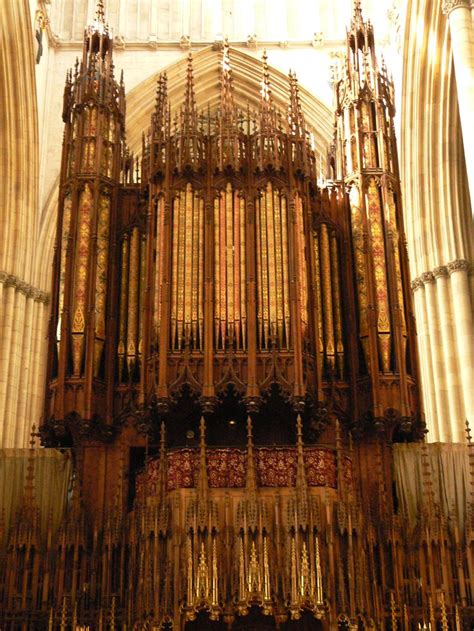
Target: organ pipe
x=273 y=312
x=81 y=277
x=133 y=293
x=327 y=289
x=66 y=226
x=329 y=346
x=159 y=249
x=103 y=224
x=121 y=351
x=187 y=311
x=337 y=301
x=229 y=256
x=376 y=228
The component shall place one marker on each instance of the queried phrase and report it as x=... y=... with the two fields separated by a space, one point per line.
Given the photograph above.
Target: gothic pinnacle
x=357 y=13
x=265 y=91
x=100 y=11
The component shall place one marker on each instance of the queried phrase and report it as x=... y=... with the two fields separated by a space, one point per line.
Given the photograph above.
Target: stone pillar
x=23 y=321
x=462 y=41
x=426 y=367
x=450 y=354
x=436 y=354
x=463 y=325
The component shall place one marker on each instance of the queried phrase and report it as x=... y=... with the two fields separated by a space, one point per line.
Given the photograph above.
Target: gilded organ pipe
x=279 y=269
x=66 y=227
x=174 y=272
x=376 y=228
x=301 y=259
x=141 y=296
x=273 y=312
x=123 y=308
x=359 y=247
x=337 y=301
x=187 y=291
x=286 y=333
x=318 y=296
x=241 y=250
x=103 y=223
x=391 y=211
x=159 y=248
x=133 y=294
x=328 y=318
x=229 y=257
x=80 y=278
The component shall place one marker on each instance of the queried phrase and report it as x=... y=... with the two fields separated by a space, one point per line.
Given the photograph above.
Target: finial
x=225 y=57
x=265 y=91
x=202 y=474
x=30 y=470
x=300 y=468
x=357 y=11
x=251 y=477
x=295 y=113
x=162 y=470
x=162 y=438
x=202 y=433
x=227 y=98
x=468 y=432
x=100 y=11
x=190 y=111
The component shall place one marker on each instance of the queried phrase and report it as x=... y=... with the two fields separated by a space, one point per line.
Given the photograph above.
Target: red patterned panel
x=276 y=466
x=320 y=467
x=227 y=468
x=182 y=469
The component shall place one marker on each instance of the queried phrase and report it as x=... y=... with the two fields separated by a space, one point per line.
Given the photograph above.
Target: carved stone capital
x=416 y=284
x=450 y=5
x=9 y=280
x=23 y=288
x=440 y=272
x=459 y=265
x=427 y=277
x=185 y=42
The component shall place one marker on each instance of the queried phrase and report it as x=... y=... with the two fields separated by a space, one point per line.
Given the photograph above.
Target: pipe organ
x=231 y=356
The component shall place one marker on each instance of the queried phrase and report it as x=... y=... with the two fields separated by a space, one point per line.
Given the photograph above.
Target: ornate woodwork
x=213 y=286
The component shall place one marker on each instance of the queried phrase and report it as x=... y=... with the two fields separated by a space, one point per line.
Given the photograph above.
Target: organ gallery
x=232 y=379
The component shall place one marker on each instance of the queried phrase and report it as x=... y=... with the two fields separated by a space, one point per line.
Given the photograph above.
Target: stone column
x=450 y=354
x=23 y=321
x=426 y=367
x=437 y=359
x=462 y=42
x=463 y=326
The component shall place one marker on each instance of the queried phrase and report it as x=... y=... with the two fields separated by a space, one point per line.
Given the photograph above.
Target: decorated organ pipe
x=230 y=314
x=81 y=263
x=187 y=269
x=327 y=287
x=131 y=303
x=273 y=313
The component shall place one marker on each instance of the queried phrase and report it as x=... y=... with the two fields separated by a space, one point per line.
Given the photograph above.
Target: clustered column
x=462 y=41
x=23 y=322
x=444 y=322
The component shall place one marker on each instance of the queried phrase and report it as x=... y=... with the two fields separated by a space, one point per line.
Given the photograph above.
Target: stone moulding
x=9 y=280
